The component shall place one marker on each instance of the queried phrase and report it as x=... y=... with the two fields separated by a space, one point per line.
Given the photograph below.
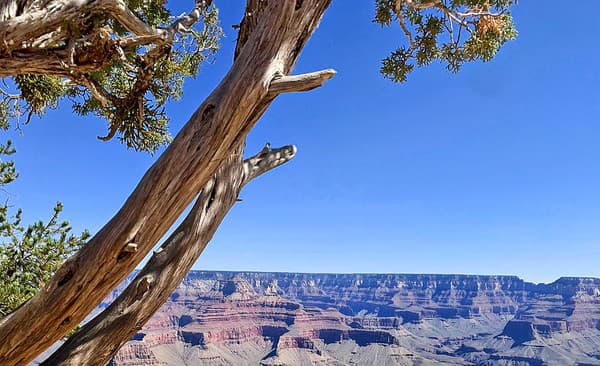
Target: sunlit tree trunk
x=279 y=30
x=97 y=341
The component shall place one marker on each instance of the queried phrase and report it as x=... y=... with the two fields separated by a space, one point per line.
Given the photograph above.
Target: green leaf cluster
x=451 y=31
x=29 y=254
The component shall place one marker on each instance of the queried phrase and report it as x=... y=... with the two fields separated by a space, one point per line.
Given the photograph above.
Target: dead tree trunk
x=97 y=341
x=218 y=126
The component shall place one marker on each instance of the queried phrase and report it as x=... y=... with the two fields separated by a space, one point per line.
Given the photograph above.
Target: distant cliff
x=239 y=318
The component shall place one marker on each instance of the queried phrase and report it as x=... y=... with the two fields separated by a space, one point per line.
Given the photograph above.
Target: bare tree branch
x=303 y=82
x=32 y=41
x=97 y=341
x=40 y=18
x=218 y=127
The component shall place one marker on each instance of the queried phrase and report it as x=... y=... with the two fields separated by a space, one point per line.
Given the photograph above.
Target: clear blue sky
x=495 y=170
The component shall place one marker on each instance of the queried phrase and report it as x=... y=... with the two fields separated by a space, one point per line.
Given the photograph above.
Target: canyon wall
x=252 y=318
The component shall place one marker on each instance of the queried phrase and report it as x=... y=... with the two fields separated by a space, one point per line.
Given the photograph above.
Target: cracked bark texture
x=280 y=30
x=98 y=340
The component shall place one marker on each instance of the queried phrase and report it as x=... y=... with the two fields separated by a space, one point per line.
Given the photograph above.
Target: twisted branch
x=97 y=341
x=38 y=39
x=216 y=129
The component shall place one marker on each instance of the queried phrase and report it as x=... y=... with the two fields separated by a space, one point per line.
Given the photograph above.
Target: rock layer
x=227 y=318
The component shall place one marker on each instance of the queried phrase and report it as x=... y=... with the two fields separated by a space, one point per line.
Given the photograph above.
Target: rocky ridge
x=251 y=318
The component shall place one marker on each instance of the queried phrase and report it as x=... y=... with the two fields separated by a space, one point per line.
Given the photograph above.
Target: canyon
x=255 y=318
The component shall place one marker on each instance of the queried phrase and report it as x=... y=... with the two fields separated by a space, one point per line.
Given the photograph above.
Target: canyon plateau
x=254 y=318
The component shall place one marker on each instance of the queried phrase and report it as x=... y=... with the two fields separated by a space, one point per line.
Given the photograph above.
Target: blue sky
x=491 y=171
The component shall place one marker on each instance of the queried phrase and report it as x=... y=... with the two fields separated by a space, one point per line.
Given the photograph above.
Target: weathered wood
x=216 y=128
x=97 y=341
x=302 y=82
x=36 y=37
x=41 y=17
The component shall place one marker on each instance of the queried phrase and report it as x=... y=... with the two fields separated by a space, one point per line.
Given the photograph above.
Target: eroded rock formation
x=225 y=318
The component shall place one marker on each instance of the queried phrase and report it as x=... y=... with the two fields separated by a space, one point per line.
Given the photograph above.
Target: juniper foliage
x=450 y=31
x=29 y=254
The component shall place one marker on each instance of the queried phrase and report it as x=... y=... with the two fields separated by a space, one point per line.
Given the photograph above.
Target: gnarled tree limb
x=218 y=126
x=79 y=40
x=97 y=341
x=37 y=18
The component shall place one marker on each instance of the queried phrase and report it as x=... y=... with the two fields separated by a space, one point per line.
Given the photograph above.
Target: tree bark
x=97 y=341
x=100 y=339
x=219 y=125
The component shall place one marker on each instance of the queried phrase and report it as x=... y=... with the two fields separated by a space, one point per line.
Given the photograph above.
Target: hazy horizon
x=389 y=273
